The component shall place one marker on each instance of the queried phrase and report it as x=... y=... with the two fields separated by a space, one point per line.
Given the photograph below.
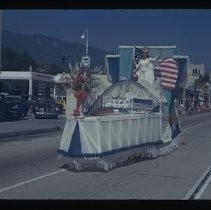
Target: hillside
x=51 y=50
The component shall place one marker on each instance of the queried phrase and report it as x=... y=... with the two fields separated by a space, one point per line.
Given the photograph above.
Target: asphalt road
x=29 y=169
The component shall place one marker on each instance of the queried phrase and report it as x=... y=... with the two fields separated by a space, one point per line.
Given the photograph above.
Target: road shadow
x=130 y=161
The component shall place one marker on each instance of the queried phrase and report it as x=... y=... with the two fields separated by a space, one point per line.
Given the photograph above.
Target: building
x=194 y=70
x=29 y=83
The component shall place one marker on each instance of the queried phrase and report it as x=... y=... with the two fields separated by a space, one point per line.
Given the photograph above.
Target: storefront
x=28 y=83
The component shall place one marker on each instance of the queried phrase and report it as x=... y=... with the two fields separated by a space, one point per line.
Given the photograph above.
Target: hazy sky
x=188 y=29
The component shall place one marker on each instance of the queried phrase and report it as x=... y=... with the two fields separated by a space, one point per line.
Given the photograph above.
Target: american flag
x=137 y=54
x=168 y=72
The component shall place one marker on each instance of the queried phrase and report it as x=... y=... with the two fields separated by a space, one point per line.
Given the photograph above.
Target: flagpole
x=87 y=42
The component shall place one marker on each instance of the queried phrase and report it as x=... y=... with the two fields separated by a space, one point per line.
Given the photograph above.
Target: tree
x=55 y=69
x=199 y=82
x=13 y=61
x=206 y=78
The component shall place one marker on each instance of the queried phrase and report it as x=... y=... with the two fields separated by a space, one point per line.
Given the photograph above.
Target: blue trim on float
x=176 y=131
x=80 y=155
x=75 y=144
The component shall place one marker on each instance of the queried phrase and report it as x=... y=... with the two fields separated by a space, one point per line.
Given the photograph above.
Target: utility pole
x=183 y=98
x=87 y=38
x=0 y=36
x=85 y=60
x=85 y=35
x=30 y=82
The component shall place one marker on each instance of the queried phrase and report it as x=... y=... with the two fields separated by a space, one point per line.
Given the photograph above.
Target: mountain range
x=51 y=50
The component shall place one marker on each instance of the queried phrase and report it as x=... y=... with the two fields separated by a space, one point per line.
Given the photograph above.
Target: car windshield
x=43 y=99
x=13 y=98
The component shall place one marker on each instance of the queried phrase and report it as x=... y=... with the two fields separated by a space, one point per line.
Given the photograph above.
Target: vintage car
x=44 y=107
x=13 y=107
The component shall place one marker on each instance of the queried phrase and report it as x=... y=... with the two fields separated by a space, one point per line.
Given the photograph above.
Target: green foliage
x=206 y=78
x=202 y=81
x=54 y=69
x=13 y=61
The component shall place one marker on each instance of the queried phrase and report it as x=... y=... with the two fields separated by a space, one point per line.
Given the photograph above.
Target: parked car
x=44 y=107
x=3 y=94
x=61 y=104
x=59 y=108
x=13 y=107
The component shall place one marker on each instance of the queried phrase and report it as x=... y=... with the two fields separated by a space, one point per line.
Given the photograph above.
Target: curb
x=196 y=113
x=28 y=132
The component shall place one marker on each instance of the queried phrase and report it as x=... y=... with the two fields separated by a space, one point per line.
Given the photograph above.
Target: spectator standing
x=187 y=107
x=2 y=108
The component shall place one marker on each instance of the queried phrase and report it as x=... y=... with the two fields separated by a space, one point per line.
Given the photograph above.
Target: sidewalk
x=20 y=128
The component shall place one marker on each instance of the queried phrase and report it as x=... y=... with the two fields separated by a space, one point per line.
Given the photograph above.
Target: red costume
x=78 y=85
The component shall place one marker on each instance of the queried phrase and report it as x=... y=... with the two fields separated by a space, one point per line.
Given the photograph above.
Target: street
x=29 y=169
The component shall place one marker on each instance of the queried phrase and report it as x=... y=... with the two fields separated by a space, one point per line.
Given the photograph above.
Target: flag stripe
x=167 y=84
x=169 y=80
x=168 y=73
x=168 y=77
x=166 y=87
x=169 y=68
x=170 y=61
x=165 y=74
x=166 y=68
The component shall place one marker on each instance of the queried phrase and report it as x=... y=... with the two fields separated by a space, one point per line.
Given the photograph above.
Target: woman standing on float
x=144 y=73
x=145 y=68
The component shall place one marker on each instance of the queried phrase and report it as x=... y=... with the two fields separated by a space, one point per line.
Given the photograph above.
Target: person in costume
x=145 y=67
x=79 y=86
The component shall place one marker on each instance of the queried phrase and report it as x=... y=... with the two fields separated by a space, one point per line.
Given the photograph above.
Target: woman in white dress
x=145 y=67
x=144 y=73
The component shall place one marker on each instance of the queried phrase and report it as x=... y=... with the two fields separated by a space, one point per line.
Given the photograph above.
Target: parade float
x=129 y=119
